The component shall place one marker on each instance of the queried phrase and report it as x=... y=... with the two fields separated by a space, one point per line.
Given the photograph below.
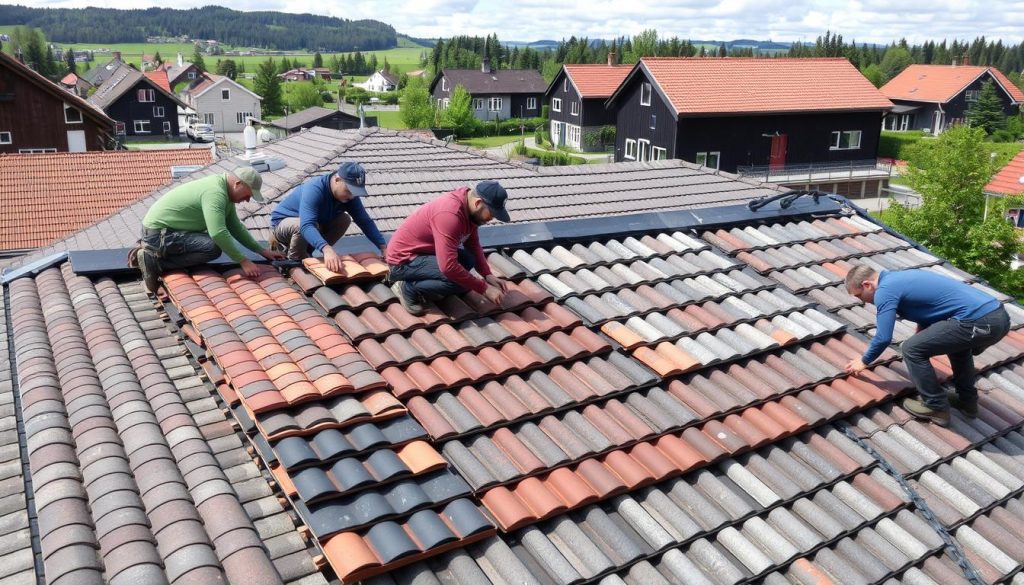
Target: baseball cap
x=354 y=176
x=252 y=178
x=494 y=196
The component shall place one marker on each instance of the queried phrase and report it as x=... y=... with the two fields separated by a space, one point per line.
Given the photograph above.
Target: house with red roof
x=1009 y=182
x=805 y=123
x=933 y=97
x=222 y=102
x=576 y=103
x=142 y=104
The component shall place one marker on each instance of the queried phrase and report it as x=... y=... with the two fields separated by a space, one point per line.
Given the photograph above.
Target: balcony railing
x=812 y=172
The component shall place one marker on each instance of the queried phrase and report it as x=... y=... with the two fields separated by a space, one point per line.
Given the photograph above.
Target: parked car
x=199 y=132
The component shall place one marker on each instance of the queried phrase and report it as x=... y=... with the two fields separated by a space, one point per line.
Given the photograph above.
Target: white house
x=379 y=82
x=221 y=102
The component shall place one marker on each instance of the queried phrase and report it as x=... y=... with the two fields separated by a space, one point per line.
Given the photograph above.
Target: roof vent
x=259 y=161
x=179 y=171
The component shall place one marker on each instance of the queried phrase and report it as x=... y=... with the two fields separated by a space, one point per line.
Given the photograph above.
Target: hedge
x=895 y=144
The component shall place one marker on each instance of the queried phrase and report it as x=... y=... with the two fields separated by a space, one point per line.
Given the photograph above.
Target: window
x=572 y=135
x=242 y=117
x=36 y=150
x=158 y=111
x=147 y=95
x=208 y=119
x=71 y=115
x=556 y=104
x=5 y=138
x=845 y=140
x=444 y=84
x=478 y=103
x=167 y=127
x=191 y=74
x=574 y=108
x=972 y=95
x=658 y=153
x=643 y=148
x=141 y=126
x=444 y=103
x=556 y=132
x=225 y=94
x=495 y=105
x=531 y=103
x=708 y=159
x=654 y=121
x=565 y=84
x=645 y=94
x=630 y=149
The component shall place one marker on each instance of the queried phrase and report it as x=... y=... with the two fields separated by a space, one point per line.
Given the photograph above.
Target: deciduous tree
x=459 y=114
x=417 y=108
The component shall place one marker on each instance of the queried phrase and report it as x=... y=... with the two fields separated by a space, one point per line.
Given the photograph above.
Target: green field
x=489 y=141
x=389 y=120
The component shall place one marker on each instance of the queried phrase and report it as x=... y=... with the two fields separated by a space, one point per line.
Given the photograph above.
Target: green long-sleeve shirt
x=203 y=206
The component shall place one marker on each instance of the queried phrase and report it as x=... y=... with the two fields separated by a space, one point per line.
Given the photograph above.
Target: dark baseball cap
x=354 y=176
x=494 y=196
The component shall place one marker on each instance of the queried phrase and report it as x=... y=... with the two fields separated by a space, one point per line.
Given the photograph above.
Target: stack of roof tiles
x=657 y=407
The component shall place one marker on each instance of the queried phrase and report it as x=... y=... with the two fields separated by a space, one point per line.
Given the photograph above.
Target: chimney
x=117 y=55
x=611 y=58
x=181 y=60
x=954 y=61
x=485 y=65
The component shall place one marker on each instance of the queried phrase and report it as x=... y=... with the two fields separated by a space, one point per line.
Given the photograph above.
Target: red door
x=777 y=162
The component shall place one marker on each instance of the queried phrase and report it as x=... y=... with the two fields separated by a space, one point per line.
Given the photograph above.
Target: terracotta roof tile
x=941 y=83
x=597 y=81
x=1007 y=181
x=94 y=185
x=696 y=85
x=159 y=77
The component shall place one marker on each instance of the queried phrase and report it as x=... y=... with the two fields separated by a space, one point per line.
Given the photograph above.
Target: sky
x=872 y=21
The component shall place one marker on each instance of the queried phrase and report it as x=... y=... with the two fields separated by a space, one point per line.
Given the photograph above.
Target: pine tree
x=69 y=59
x=987 y=112
x=157 y=59
x=318 y=60
x=197 y=59
x=268 y=86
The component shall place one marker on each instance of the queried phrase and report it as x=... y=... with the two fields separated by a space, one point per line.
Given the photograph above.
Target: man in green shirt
x=194 y=222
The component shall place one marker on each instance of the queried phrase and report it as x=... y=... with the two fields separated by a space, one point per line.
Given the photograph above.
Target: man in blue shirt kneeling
x=318 y=212
x=953 y=319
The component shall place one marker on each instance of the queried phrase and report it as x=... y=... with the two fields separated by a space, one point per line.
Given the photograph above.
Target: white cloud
x=879 y=21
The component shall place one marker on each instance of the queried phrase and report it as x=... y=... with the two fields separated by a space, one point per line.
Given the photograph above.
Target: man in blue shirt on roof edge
x=953 y=319
x=315 y=215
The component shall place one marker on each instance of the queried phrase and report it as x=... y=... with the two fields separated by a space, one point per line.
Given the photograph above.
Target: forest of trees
x=879 y=63
x=271 y=30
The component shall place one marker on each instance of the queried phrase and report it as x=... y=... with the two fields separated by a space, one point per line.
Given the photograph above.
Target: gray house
x=222 y=103
x=497 y=94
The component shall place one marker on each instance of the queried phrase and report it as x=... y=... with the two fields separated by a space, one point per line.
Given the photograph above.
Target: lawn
x=389 y=120
x=489 y=141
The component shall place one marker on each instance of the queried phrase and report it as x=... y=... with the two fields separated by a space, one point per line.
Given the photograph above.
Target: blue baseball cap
x=354 y=176
x=494 y=196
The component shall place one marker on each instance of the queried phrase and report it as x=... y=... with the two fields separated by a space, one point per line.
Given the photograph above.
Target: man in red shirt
x=432 y=252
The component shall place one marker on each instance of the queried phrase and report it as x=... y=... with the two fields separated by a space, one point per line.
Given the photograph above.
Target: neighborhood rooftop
x=597 y=81
x=660 y=398
x=941 y=83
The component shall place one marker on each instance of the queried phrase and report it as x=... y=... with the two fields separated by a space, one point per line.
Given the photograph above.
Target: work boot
x=407 y=300
x=149 y=267
x=923 y=411
x=969 y=409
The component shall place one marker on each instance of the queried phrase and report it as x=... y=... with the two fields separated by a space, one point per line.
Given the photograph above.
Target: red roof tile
x=697 y=85
x=1008 y=181
x=940 y=83
x=95 y=184
x=159 y=77
x=597 y=81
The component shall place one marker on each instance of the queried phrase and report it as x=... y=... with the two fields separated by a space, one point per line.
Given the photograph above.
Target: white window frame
x=226 y=92
x=478 y=103
x=241 y=117
x=574 y=108
x=67 y=108
x=141 y=126
x=531 y=103
x=972 y=95
x=643 y=149
x=629 y=152
x=494 y=104
x=167 y=126
x=654 y=121
x=36 y=150
x=646 y=89
x=837 y=139
x=8 y=140
x=710 y=160
x=572 y=135
x=556 y=131
x=192 y=74
x=444 y=84
x=159 y=112
x=444 y=103
x=556 y=104
x=565 y=84
x=658 y=153
x=146 y=96
x=905 y=122
x=209 y=118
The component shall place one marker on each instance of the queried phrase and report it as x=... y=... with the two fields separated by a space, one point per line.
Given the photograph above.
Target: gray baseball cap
x=252 y=178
